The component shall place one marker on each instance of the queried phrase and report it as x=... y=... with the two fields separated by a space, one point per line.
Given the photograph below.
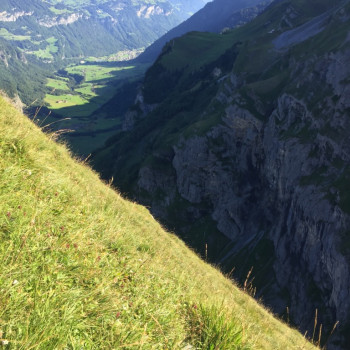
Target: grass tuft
x=211 y=328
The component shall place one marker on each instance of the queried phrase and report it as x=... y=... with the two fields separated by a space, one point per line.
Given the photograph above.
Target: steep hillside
x=82 y=268
x=240 y=143
x=214 y=17
x=61 y=30
x=21 y=76
x=188 y=7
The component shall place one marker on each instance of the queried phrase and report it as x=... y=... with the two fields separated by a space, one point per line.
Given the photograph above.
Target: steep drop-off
x=82 y=268
x=246 y=155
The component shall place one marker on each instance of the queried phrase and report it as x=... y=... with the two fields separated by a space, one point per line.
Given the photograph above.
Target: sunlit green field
x=49 y=50
x=4 y=33
x=66 y=100
x=96 y=72
x=59 y=83
x=59 y=11
x=99 y=85
x=76 y=106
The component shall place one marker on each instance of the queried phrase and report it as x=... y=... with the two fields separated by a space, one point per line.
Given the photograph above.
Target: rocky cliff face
x=259 y=182
x=263 y=169
x=12 y=17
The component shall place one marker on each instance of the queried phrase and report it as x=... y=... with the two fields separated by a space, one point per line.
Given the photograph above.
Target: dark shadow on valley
x=123 y=95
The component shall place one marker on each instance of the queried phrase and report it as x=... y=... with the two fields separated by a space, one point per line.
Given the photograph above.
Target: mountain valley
x=55 y=31
x=56 y=34
x=229 y=120
x=239 y=144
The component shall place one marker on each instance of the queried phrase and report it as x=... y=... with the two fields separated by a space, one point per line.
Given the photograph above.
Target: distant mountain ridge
x=59 y=30
x=214 y=17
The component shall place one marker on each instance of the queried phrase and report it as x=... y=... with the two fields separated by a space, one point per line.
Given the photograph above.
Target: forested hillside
x=55 y=31
x=214 y=17
x=21 y=75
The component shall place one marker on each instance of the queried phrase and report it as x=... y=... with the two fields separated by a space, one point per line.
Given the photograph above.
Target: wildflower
x=117 y=314
x=67 y=246
x=75 y=246
x=19 y=207
x=195 y=306
x=5 y=342
x=8 y=214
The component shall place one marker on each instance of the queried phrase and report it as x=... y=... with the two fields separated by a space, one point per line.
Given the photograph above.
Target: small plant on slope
x=211 y=328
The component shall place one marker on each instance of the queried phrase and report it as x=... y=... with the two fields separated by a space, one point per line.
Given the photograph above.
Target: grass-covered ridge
x=81 y=268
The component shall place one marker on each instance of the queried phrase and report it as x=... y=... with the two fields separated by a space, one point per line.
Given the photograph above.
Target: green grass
x=89 y=143
x=49 y=50
x=119 y=56
x=59 y=11
x=81 y=268
x=79 y=105
x=66 y=100
x=87 y=89
x=196 y=49
x=96 y=72
x=81 y=102
x=211 y=330
x=4 y=33
x=57 y=84
x=100 y=83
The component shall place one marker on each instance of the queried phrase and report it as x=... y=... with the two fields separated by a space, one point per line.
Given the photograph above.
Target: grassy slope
x=81 y=268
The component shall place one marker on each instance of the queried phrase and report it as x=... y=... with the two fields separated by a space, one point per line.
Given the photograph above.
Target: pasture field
x=4 y=33
x=58 y=84
x=76 y=98
x=98 y=72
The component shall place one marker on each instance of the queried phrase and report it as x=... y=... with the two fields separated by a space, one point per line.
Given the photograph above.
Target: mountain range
x=239 y=143
x=38 y=36
x=214 y=17
x=61 y=30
